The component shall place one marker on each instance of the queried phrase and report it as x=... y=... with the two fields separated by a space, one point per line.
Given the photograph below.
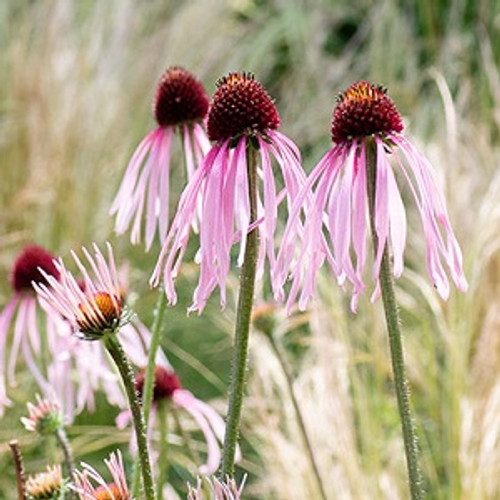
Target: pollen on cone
x=240 y=105
x=362 y=110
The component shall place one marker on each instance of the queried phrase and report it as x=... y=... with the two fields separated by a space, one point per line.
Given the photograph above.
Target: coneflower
x=180 y=105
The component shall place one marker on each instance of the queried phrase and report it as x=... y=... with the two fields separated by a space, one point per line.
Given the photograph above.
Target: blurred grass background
x=77 y=82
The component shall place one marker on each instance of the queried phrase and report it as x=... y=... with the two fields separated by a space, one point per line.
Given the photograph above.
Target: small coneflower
x=168 y=388
x=181 y=105
x=94 y=308
x=47 y=485
x=219 y=490
x=364 y=119
x=90 y=485
x=45 y=417
x=242 y=115
x=23 y=306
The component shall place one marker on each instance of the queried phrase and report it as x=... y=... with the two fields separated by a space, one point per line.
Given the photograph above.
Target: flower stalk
x=242 y=327
x=394 y=332
x=119 y=357
x=62 y=440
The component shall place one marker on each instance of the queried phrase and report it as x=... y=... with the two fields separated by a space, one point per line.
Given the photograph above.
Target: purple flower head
x=180 y=104
x=21 y=311
x=93 y=307
x=336 y=225
x=241 y=116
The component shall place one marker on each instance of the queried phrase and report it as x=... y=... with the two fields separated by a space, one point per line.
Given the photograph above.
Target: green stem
x=298 y=414
x=163 y=458
x=119 y=357
x=242 y=327
x=394 y=331
x=148 y=390
x=63 y=442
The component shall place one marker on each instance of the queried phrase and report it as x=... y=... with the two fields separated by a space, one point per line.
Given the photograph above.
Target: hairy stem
x=395 y=337
x=242 y=327
x=119 y=357
x=63 y=442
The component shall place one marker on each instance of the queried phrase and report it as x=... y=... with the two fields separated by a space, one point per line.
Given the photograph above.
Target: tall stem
x=242 y=327
x=298 y=414
x=63 y=441
x=148 y=390
x=119 y=357
x=394 y=331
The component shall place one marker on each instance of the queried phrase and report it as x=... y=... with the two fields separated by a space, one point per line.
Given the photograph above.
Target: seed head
x=240 y=106
x=26 y=268
x=166 y=383
x=362 y=110
x=180 y=98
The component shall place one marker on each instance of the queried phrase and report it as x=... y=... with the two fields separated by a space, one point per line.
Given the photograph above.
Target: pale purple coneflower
x=241 y=115
x=219 y=490
x=93 y=306
x=339 y=206
x=181 y=105
x=22 y=312
x=167 y=388
x=90 y=485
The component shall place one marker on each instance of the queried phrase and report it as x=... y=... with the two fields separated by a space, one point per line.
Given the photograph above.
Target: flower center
x=166 y=383
x=362 y=110
x=99 y=313
x=26 y=268
x=180 y=97
x=240 y=105
x=113 y=492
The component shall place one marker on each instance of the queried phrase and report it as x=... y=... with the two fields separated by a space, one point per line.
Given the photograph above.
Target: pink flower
x=91 y=307
x=219 y=490
x=90 y=485
x=94 y=308
x=339 y=204
x=241 y=115
x=167 y=388
x=181 y=105
x=22 y=311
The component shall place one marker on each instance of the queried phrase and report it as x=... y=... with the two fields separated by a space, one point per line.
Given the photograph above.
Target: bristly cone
x=26 y=268
x=166 y=383
x=180 y=98
x=240 y=105
x=362 y=110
